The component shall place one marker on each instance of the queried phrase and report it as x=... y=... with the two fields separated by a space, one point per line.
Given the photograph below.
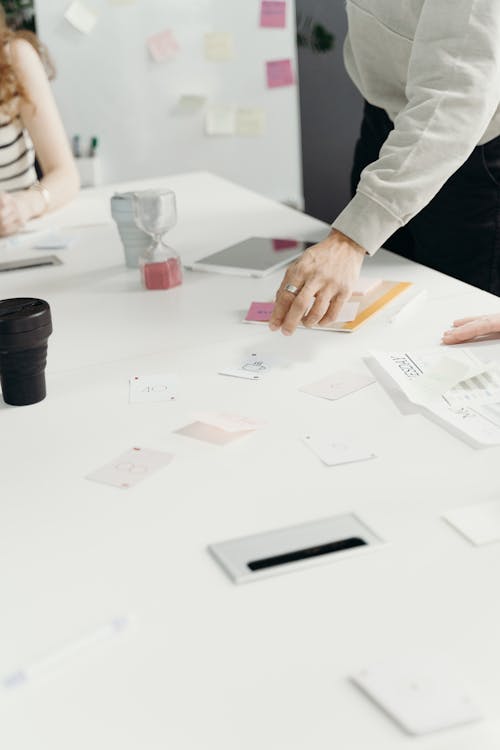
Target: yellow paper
x=219 y=46
x=250 y=122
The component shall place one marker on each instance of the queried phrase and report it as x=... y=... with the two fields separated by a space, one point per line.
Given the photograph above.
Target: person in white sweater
x=426 y=177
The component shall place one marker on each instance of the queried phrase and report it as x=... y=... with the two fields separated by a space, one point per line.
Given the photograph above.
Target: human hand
x=327 y=272
x=14 y=213
x=467 y=329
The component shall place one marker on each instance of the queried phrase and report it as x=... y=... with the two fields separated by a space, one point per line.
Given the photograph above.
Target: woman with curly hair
x=30 y=128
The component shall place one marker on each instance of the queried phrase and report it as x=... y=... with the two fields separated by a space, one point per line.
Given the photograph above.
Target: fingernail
x=273 y=326
x=286 y=332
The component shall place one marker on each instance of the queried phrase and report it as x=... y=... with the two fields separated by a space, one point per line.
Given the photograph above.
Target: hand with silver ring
x=317 y=285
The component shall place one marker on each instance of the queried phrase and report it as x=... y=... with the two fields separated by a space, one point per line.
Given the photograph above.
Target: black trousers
x=458 y=232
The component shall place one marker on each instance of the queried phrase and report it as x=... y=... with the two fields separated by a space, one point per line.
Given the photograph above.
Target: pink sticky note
x=260 y=312
x=284 y=244
x=279 y=73
x=273 y=14
x=163 y=46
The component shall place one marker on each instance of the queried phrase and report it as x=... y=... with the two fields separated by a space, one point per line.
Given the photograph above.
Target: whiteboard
x=108 y=85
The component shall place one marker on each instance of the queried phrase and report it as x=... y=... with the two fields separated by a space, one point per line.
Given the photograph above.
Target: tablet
x=256 y=256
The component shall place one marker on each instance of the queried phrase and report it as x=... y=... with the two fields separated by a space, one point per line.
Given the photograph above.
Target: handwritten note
x=219 y=46
x=131 y=467
x=81 y=17
x=273 y=14
x=279 y=73
x=152 y=388
x=163 y=46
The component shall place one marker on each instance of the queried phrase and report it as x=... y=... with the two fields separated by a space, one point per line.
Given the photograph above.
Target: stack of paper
x=457 y=388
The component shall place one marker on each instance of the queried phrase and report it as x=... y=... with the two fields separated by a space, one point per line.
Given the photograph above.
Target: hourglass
x=155 y=212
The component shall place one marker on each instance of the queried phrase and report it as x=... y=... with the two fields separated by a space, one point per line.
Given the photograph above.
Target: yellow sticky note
x=190 y=103
x=250 y=122
x=219 y=46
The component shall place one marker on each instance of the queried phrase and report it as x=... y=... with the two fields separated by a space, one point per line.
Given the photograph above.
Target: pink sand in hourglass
x=163 y=275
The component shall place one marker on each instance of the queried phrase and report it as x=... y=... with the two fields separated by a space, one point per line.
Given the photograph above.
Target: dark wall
x=20 y=13
x=331 y=110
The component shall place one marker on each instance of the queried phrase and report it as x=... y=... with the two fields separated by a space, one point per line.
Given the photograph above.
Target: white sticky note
x=480 y=524
x=335 y=450
x=220 y=121
x=229 y=422
x=253 y=367
x=163 y=46
x=420 y=692
x=219 y=46
x=152 y=388
x=250 y=122
x=191 y=103
x=338 y=384
x=81 y=17
x=131 y=467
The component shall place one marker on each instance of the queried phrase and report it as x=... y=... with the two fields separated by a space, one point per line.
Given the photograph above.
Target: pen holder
x=89 y=169
x=135 y=241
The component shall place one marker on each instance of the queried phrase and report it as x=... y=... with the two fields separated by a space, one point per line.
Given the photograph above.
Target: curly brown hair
x=10 y=87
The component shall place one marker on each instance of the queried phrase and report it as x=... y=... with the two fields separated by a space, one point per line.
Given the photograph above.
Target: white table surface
x=209 y=665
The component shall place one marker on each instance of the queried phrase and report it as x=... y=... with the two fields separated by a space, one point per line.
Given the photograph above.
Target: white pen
x=47 y=663
x=408 y=307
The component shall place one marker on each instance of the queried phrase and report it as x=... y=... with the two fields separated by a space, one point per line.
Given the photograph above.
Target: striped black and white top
x=17 y=156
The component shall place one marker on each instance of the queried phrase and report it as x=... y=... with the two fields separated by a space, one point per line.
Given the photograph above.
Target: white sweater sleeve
x=453 y=91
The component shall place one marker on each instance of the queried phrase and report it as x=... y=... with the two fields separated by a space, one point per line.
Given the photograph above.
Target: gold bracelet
x=42 y=190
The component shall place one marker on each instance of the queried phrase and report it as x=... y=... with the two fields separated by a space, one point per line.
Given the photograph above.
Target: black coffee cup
x=25 y=326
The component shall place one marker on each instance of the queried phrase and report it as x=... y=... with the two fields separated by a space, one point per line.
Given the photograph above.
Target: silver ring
x=292 y=289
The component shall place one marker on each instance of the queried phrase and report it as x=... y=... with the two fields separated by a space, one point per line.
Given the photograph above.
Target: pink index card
x=260 y=312
x=279 y=73
x=229 y=422
x=273 y=14
x=284 y=244
x=163 y=46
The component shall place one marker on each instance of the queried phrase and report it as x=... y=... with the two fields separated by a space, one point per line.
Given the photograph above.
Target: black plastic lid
x=23 y=314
